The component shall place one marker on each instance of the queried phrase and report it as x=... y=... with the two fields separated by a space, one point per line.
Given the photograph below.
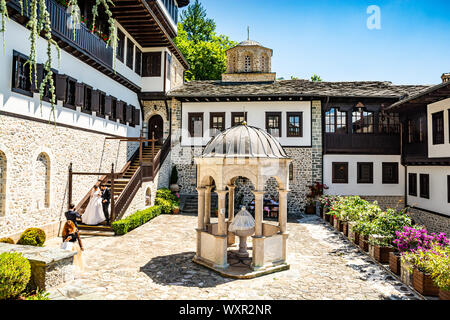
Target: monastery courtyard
x=155 y=262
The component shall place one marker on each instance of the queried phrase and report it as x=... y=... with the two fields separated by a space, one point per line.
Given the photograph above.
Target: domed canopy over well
x=244 y=141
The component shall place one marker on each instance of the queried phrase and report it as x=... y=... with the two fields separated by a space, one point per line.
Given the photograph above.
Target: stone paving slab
x=155 y=262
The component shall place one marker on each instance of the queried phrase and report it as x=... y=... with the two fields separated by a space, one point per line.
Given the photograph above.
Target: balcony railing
x=362 y=143
x=85 y=42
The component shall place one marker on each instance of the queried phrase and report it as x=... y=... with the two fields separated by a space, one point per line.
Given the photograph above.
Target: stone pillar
x=231 y=236
x=259 y=205
x=222 y=227
x=200 y=219
x=208 y=205
x=282 y=218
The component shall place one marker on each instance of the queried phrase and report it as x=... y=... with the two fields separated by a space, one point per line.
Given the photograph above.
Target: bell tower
x=249 y=61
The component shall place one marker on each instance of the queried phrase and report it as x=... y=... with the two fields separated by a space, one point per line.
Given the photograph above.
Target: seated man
x=72 y=215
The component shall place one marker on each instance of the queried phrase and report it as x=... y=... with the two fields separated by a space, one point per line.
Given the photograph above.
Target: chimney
x=446 y=77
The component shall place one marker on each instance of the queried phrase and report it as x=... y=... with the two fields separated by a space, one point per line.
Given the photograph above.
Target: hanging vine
x=112 y=26
x=4 y=14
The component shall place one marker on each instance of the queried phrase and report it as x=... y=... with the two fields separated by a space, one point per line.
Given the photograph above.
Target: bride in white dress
x=93 y=215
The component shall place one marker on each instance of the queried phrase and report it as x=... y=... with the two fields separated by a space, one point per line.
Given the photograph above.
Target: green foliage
x=15 y=273
x=7 y=240
x=387 y=223
x=38 y=295
x=203 y=49
x=166 y=205
x=32 y=237
x=166 y=194
x=316 y=78
x=174 y=175
x=4 y=15
x=135 y=220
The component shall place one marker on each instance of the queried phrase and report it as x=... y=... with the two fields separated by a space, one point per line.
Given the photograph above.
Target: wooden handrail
x=128 y=194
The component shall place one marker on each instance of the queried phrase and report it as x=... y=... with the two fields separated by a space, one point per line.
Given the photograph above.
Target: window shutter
x=129 y=114
x=79 y=95
x=108 y=106
x=61 y=87
x=137 y=117
x=119 y=110
x=95 y=101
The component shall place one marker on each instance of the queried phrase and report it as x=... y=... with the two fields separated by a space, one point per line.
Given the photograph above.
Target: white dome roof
x=249 y=43
x=244 y=141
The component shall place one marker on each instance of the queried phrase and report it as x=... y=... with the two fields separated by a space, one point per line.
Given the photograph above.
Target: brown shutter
x=108 y=106
x=137 y=117
x=95 y=101
x=61 y=87
x=119 y=110
x=129 y=114
x=79 y=95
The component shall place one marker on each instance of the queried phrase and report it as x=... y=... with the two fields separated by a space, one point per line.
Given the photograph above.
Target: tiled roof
x=216 y=88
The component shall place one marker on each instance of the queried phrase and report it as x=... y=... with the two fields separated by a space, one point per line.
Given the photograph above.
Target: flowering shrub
x=328 y=201
x=412 y=239
x=316 y=190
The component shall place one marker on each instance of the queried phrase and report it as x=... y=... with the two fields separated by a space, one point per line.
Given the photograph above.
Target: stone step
x=90 y=233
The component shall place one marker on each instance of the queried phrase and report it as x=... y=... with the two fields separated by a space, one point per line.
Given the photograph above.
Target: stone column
x=208 y=205
x=282 y=218
x=222 y=227
x=200 y=221
x=231 y=236
x=259 y=205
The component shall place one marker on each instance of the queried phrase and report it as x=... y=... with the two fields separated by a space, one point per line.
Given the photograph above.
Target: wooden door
x=156 y=126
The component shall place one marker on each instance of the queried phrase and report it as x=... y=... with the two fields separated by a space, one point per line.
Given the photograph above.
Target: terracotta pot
x=345 y=228
x=394 y=262
x=444 y=295
x=381 y=254
x=364 y=243
x=424 y=284
x=176 y=211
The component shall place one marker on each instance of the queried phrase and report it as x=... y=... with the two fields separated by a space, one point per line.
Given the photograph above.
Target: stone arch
x=3 y=173
x=42 y=170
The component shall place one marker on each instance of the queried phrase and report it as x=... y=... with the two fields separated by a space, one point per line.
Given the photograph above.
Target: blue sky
x=331 y=38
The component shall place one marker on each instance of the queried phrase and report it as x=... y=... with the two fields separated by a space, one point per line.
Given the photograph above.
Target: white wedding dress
x=93 y=215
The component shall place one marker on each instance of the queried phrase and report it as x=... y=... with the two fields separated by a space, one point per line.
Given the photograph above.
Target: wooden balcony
x=86 y=46
x=362 y=143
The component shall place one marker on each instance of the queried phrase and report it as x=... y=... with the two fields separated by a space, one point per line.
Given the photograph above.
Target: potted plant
x=380 y=247
x=315 y=191
x=353 y=235
x=175 y=209
x=310 y=206
x=174 y=187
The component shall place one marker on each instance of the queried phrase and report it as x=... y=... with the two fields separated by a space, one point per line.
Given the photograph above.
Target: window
x=340 y=172
x=264 y=63
x=138 y=62
x=42 y=179
x=151 y=64
x=390 y=172
x=217 y=123
x=102 y=103
x=21 y=75
x=120 y=45
x=195 y=124
x=2 y=183
x=247 y=64
x=238 y=118
x=412 y=184
x=294 y=124
x=425 y=186
x=169 y=65
x=335 y=121
x=291 y=171
x=362 y=121
x=417 y=130
x=130 y=53
x=389 y=123
x=70 y=94
x=273 y=123
x=365 y=172
x=438 y=127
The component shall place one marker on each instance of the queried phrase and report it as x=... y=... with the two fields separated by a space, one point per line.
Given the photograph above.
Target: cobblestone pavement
x=154 y=262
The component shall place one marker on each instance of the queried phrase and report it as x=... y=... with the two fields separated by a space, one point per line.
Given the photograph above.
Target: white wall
x=16 y=39
x=353 y=188
x=156 y=84
x=440 y=150
x=256 y=116
x=438 y=201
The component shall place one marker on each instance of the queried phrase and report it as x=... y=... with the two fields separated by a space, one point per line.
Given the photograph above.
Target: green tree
x=202 y=47
x=316 y=78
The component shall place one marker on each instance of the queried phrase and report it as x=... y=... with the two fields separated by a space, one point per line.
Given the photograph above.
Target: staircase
x=122 y=183
x=191 y=205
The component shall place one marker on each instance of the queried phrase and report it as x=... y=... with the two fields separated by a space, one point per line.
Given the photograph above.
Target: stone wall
x=22 y=141
x=433 y=222
x=248 y=77
x=316 y=141
x=386 y=202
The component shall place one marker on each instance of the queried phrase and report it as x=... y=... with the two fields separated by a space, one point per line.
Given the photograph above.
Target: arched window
x=42 y=178
x=335 y=121
x=148 y=197
x=2 y=183
x=248 y=63
x=264 y=64
x=362 y=121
